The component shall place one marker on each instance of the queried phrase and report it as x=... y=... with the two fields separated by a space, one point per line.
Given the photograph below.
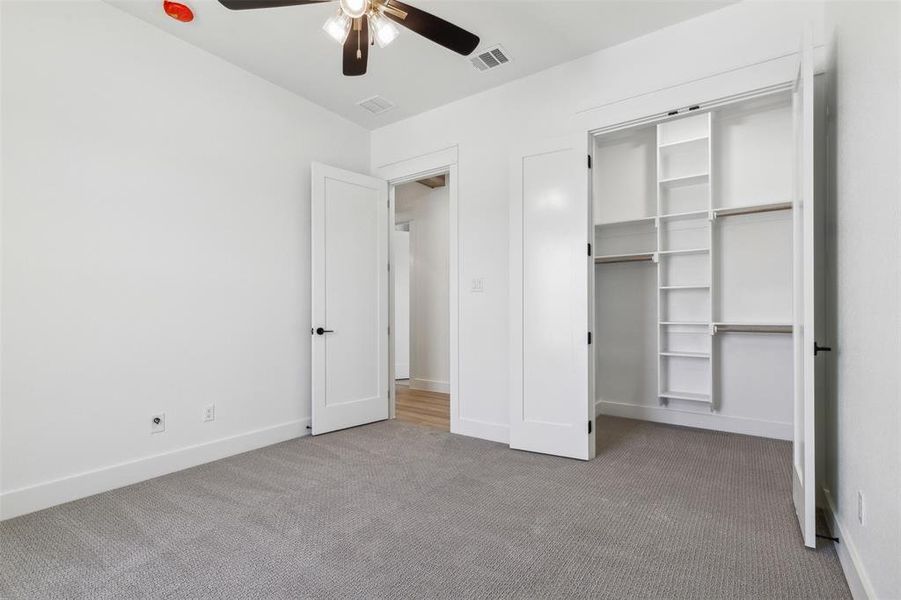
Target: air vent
x=376 y=105
x=490 y=58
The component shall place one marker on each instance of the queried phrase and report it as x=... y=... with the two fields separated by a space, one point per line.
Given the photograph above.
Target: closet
x=693 y=252
x=699 y=300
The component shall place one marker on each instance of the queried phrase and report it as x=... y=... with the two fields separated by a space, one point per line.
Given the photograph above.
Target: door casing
x=406 y=171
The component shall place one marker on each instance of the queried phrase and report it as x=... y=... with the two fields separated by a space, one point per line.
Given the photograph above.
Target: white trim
x=774 y=71
x=411 y=169
x=848 y=557
x=430 y=385
x=701 y=420
x=50 y=493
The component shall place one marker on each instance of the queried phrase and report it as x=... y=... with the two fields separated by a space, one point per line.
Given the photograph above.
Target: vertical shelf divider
x=665 y=389
x=711 y=235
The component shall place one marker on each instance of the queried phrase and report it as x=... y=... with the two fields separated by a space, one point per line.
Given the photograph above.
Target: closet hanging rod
x=750 y=210
x=735 y=328
x=620 y=258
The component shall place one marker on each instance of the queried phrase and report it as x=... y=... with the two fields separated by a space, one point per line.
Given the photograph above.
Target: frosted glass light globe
x=355 y=8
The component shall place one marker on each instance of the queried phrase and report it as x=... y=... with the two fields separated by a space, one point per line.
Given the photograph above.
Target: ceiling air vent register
x=490 y=58
x=376 y=105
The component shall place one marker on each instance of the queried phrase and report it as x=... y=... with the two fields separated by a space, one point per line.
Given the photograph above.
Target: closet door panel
x=550 y=406
x=805 y=286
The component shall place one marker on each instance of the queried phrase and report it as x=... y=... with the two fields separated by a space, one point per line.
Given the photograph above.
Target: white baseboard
x=429 y=385
x=493 y=432
x=848 y=557
x=685 y=418
x=44 y=495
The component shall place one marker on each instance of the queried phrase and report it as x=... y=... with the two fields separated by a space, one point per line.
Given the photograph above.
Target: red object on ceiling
x=178 y=11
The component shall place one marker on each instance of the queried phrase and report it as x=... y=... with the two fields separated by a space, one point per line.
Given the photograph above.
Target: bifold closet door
x=806 y=273
x=349 y=230
x=551 y=408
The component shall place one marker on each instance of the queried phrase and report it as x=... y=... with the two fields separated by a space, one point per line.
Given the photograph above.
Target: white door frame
x=405 y=171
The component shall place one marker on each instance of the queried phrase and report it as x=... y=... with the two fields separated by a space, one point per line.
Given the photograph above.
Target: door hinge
x=389 y=329
x=589 y=248
x=389 y=267
x=589 y=161
x=589 y=426
x=589 y=337
x=817 y=349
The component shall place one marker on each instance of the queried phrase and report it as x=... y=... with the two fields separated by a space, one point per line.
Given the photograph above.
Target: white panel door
x=551 y=408
x=805 y=273
x=350 y=299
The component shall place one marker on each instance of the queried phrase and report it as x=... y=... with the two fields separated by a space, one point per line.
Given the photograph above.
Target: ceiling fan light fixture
x=384 y=31
x=338 y=27
x=354 y=8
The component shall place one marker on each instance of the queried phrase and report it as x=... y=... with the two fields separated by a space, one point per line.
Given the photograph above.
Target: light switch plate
x=478 y=286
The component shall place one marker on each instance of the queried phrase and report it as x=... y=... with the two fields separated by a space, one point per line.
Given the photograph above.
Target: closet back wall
x=486 y=127
x=156 y=252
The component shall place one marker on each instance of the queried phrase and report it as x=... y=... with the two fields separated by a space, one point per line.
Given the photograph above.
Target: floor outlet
x=158 y=423
x=209 y=413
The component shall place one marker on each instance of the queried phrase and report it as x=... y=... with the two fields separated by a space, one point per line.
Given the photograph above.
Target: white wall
x=864 y=412
x=156 y=252
x=487 y=127
x=400 y=266
x=427 y=212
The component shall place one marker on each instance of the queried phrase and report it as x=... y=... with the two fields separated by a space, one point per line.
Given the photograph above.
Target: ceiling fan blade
x=246 y=4
x=433 y=28
x=356 y=48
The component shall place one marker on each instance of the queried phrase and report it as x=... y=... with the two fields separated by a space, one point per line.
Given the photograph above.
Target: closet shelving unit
x=684 y=231
x=678 y=232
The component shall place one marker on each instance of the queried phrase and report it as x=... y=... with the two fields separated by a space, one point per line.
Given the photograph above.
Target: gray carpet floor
x=391 y=510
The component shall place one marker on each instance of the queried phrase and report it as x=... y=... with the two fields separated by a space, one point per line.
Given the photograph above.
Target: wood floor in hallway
x=420 y=407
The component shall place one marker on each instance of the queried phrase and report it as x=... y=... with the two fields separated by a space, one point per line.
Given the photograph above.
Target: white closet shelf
x=626 y=222
x=691 y=140
x=685 y=287
x=616 y=258
x=684 y=179
x=752 y=209
x=685 y=251
x=692 y=214
x=753 y=328
x=693 y=396
x=692 y=323
x=686 y=354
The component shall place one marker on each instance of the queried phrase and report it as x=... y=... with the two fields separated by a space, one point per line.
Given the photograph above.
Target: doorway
x=421 y=309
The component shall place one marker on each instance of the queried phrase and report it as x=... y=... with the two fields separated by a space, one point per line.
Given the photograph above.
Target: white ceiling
x=288 y=47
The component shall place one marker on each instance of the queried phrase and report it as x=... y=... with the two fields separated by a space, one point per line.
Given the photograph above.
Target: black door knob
x=320 y=331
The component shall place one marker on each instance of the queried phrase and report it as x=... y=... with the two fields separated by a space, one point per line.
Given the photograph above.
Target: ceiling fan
x=360 y=23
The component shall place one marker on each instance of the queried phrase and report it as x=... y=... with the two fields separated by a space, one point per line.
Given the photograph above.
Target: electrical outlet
x=860 y=511
x=158 y=423
x=209 y=413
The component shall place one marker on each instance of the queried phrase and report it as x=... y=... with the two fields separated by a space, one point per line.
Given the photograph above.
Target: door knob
x=320 y=331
